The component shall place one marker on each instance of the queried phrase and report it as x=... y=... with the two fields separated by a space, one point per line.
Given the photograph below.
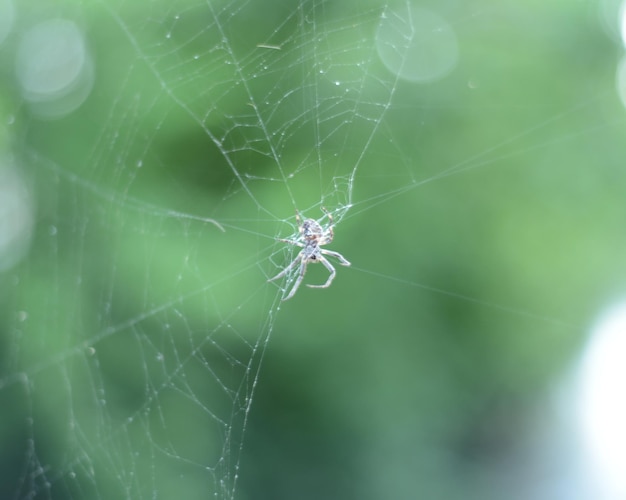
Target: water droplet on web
x=17 y=216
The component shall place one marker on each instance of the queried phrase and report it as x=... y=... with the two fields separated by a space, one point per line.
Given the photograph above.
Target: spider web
x=137 y=317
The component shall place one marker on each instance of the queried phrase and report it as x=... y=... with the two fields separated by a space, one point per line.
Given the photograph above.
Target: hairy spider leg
x=330 y=268
x=288 y=268
x=300 y=259
x=299 y=279
x=342 y=260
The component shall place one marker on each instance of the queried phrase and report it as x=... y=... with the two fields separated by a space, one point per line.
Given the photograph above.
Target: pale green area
x=127 y=331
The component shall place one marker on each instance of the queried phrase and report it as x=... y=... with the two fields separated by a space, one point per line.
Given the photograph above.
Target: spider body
x=312 y=237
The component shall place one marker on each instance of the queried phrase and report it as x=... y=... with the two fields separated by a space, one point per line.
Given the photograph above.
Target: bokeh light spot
x=53 y=68
x=603 y=401
x=416 y=44
x=16 y=217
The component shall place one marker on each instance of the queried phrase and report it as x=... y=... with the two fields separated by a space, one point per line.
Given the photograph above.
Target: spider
x=312 y=237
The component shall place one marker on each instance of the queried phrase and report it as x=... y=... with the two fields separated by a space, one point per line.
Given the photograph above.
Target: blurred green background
x=142 y=351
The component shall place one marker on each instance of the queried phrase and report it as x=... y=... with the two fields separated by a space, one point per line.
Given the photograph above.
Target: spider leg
x=299 y=279
x=291 y=242
x=293 y=264
x=336 y=255
x=330 y=268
